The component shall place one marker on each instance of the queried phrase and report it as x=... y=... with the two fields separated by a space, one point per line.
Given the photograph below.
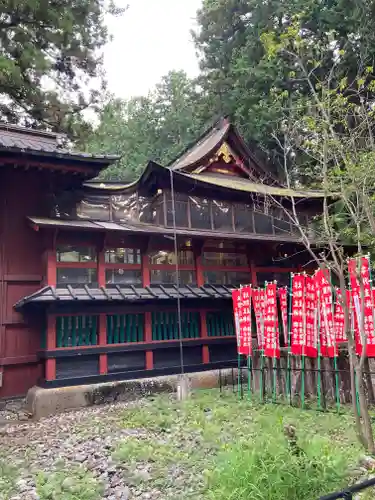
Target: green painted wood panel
x=165 y=325
x=125 y=328
x=220 y=323
x=76 y=331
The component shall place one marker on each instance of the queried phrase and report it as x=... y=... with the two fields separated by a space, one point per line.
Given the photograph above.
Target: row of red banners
x=317 y=325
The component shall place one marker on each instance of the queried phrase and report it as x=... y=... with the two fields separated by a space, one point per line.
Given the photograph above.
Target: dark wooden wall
x=21 y=273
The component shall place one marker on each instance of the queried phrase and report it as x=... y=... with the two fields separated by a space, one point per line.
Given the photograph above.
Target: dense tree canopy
x=49 y=56
x=157 y=126
x=242 y=80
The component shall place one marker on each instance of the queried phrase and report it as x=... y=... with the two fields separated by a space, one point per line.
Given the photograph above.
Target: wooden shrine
x=89 y=276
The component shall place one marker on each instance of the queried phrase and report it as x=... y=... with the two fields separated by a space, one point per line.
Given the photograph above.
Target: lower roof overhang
x=84 y=295
x=148 y=229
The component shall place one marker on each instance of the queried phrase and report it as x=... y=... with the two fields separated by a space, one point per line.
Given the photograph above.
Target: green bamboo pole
x=274 y=364
x=336 y=353
x=250 y=350
x=303 y=350
x=289 y=335
x=353 y=313
x=319 y=360
x=239 y=360
x=261 y=391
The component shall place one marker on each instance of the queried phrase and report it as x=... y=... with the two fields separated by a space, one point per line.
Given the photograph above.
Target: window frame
x=122 y=266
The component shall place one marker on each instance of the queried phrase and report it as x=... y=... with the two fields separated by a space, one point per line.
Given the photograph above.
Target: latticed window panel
x=220 y=324
x=165 y=325
x=125 y=328
x=75 y=331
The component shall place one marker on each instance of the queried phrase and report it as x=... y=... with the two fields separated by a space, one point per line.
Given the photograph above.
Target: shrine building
x=91 y=288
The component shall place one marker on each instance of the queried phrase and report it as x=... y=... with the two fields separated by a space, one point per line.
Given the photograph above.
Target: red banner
x=245 y=321
x=283 y=296
x=271 y=327
x=258 y=303
x=339 y=317
x=298 y=307
x=303 y=316
x=328 y=347
x=310 y=318
x=237 y=312
x=358 y=308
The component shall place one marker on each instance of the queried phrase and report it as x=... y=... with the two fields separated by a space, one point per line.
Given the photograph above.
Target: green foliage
x=247 y=75
x=157 y=127
x=8 y=477
x=267 y=469
x=71 y=483
x=48 y=58
x=227 y=448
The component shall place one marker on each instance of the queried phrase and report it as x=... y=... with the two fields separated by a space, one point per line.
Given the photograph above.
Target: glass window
x=146 y=210
x=72 y=253
x=123 y=277
x=224 y=259
x=77 y=276
x=94 y=207
x=186 y=257
x=283 y=279
x=263 y=223
x=222 y=215
x=233 y=278
x=243 y=218
x=125 y=207
x=123 y=256
x=181 y=213
x=200 y=213
x=161 y=277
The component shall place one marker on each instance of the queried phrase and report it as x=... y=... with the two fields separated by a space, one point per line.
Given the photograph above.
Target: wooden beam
x=148 y=338
x=103 y=358
x=18 y=360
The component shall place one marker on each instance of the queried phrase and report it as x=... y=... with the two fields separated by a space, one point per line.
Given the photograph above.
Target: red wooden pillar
x=50 y=277
x=204 y=335
x=103 y=358
x=148 y=338
x=145 y=270
x=203 y=322
x=50 y=346
x=101 y=267
x=146 y=281
x=254 y=280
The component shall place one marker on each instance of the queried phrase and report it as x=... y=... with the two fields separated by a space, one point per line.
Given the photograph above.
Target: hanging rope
x=177 y=282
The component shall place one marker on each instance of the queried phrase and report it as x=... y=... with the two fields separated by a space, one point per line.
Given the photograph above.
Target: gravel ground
x=83 y=439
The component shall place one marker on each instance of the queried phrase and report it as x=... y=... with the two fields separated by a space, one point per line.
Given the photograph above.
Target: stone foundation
x=42 y=402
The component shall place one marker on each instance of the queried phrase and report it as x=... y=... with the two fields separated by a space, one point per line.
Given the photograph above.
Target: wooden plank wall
x=21 y=273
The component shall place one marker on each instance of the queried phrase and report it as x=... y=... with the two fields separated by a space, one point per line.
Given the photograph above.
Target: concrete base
x=42 y=402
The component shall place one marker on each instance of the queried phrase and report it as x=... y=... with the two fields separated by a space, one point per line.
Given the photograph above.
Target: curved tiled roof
x=123 y=293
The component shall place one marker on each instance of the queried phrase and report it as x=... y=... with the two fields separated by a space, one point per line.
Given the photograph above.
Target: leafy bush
x=8 y=476
x=268 y=470
x=68 y=484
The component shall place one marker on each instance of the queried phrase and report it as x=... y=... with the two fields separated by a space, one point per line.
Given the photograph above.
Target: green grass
x=69 y=483
x=8 y=478
x=224 y=448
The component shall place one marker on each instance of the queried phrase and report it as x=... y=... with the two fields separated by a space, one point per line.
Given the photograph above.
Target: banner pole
x=353 y=316
x=289 y=335
x=261 y=387
x=274 y=361
x=319 y=356
x=239 y=358
x=335 y=352
x=249 y=357
x=303 y=347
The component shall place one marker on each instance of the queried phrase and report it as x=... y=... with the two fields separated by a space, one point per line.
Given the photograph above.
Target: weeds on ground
x=8 y=478
x=267 y=469
x=242 y=442
x=70 y=483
